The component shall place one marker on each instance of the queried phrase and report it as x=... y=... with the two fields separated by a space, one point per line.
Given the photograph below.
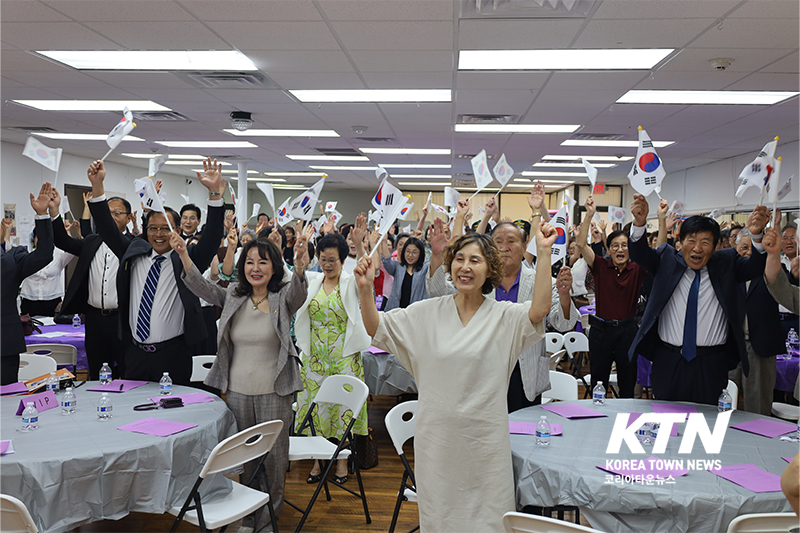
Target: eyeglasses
x=329 y=261
x=157 y=231
x=619 y=246
x=119 y=213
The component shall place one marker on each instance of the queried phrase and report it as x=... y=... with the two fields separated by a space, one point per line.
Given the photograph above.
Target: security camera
x=721 y=63
x=360 y=129
x=241 y=121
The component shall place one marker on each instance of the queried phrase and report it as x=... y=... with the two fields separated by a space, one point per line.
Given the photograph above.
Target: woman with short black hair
x=409 y=273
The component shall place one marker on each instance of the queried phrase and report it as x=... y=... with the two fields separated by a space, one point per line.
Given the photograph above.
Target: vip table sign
x=76 y=469
x=678 y=483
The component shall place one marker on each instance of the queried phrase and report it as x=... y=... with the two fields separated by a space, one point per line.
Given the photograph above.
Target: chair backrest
x=555 y=358
x=763 y=523
x=201 y=365
x=64 y=354
x=334 y=390
x=245 y=446
x=575 y=342
x=528 y=523
x=401 y=430
x=584 y=320
x=733 y=390
x=562 y=387
x=32 y=366
x=14 y=516
x=554 y=341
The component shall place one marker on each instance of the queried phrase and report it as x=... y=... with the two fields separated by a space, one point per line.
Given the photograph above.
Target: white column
x=241 y=198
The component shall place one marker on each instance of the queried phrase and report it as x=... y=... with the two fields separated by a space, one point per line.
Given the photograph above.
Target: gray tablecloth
x=565 y=473
x=75 y=469
x=384 y=375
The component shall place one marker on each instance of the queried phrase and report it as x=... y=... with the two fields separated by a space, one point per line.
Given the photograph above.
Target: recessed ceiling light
x=328 y=157
x=578 y=165
x=152 y=60
x=587 y=157
x=372 y=95
x=190 y=162
x=535 y=174
x=406 y=151
x=516 y=128
x=412 y=165
x=92 y=105
x=295 y=174
x=282 y=133
x=82 y=136
x=325 y=167
x=228 y=171
x=612 y=144
x=705 y=97
x=208 y=144
x=596 y=59
x=421 y=176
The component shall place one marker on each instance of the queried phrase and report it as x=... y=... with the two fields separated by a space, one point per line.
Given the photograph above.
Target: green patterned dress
x=328 y=325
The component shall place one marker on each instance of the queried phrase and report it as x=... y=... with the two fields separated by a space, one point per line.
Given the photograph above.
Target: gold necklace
x=256 y=304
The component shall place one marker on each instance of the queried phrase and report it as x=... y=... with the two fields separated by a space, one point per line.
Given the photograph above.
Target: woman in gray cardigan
x=409 y=272
x=257 y=364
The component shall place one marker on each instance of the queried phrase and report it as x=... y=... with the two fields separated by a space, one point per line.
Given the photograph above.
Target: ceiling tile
x=762 y=81
x=685 y=80
x=774 y=9
x=744 y=60
x=254 y=10
x=53 y=36
x=500 y=80
x=788 y=64
x=277 y=35
x=317 y=80
x=29 y=11
x=645 y=33
x=161 y=35
x=271 y=61
x=752 y=33
x=120 y=11
x=391 y=10
x=397 y=61
x=663 y=9
x=407 y=80
x=405 y=35
x=516 y=34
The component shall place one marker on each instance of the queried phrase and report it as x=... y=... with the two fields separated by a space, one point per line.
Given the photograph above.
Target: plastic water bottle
x=105 y=374
x=792 y=342
x=68 y=402
x=543 y=432
x=76 y=321
x=51 y=383
x=104 y=408
x=724 y=402
x=644 y=435
x=599 y=394
x=165 y=384
x=654 y=427
x=30 y=417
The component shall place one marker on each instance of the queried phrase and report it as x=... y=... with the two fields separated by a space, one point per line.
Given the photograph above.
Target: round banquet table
x=76 y=469
x=66 y=334
x=384 y=375
x=566 y=473
x=787 y=371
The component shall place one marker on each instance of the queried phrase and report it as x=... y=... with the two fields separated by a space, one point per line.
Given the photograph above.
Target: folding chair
x=763 y=523
x=554 y=340
x=786 y=411
x=733 y=390
x=219 y=511
x=14 y=516
x=562 y=387
x=32 y=366
x=555 y=359
x=201 y=365
x=400 y=431
x=577 y=344
x=64 y=354
x=319 y=448
x=528 y=523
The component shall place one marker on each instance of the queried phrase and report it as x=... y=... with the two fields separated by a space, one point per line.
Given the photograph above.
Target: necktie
x=689 y=351
x=148 y=296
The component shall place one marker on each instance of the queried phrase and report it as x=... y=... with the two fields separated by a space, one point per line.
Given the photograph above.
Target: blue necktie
x=148 y=296
x=690 y=323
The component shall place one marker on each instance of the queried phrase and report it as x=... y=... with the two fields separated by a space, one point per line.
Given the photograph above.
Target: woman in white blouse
x=42 y=292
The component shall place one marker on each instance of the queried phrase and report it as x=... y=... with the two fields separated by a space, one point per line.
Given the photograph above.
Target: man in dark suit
x=160 y=319
x=92 y=291
x=691 y=328
x=17 y=264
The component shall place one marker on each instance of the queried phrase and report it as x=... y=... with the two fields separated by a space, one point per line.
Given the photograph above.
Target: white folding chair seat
x=64 y=354
x=32 y=366
x=528 y=523
x=201 y=365
x=400 y=431
x=763 y=523
x=786 y=411
x=14 y=516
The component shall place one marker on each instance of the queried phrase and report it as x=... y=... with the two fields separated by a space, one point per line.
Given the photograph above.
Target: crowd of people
x=283 y=308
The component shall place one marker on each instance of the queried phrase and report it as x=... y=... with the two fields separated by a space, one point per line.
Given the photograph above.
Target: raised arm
x=491 y=207
x=61 y=238
x=230 y=252
x=106 y=225
x=30 y=263
x=640 y=251
x=536 y=202
x=458 y=221
x=438 y=243
x=663 y=206
x=542 y=286
x=364 y=282
x=421 y=224
x=583 y=235
x=358 y=233
x=192 y=278
x=202 y=252
x=753 y=267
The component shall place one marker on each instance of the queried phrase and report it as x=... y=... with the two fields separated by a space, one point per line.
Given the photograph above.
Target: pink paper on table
x=4 y=446
x=195 y=397
x=375 y=350
x=787 y=459
x=119 y=385
x=43 y=401
x=632 y=417
x=750 y=477
x=764 y=427
x=13 y=388
x=571 y=410
x=673 y=408
x=529 y=428
x=157 y=427
x=651 y=468
x=81 y=335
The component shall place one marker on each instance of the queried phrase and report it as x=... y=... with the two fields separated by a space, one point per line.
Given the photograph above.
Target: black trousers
x=209 y=345
x=516 y=392
x=700 y=380
x=174 y=357
x=9 y=368
x=609 y=344
x=103 y=344
x=39 y=307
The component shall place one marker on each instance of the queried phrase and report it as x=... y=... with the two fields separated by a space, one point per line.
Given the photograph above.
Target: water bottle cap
x=29 y=404
x=105 y=363
x=69 y=389
x=725 y=391
x=599 y=382
x=166 y=373
x=105 y=395
x=542 y=417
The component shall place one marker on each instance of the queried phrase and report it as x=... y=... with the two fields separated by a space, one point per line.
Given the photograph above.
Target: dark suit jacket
x=129 y=250
x=726 y=269
x=763 y=320
x=77 y=294
x=15 y=265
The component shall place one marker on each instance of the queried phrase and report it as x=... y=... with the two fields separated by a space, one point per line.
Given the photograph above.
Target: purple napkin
x=119 y=385
x=673 y=408
x=13 y=388
x=765 y=427
x=4 y=446
x=572 y=410
x=750 y=477
x=157 y=427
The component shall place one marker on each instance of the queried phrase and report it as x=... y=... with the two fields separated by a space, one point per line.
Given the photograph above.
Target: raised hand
x=96 y=172
x=564 y=280
x=671 y=219
x=86 y=197
x=55 y=202
x=757 y=219
x=545 y=236
x=536 y=198
x=439 y=240
x=663 y=207
x=771 y=241
x=135 y=223
x=462 y=207
x=301 y=252
x=591 y=208
x=211 y=178
x=5 y=229
x=602 y=226
x=363 y=273
x=275 y=238
x=359 y=231
x=233 y=238
x=639 y=209
x=41 y=202
x=177 y=243
x=795 y=267
x=158 y=186
x=328 y=226
x=491 y=207
x=229 y=216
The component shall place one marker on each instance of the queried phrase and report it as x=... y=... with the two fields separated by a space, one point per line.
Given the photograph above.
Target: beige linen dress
x=462 y=450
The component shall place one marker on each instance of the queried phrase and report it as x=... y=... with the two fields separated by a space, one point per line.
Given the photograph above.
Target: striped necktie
x=148 y=296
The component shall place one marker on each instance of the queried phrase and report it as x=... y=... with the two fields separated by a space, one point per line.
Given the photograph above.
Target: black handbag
x=366 y=451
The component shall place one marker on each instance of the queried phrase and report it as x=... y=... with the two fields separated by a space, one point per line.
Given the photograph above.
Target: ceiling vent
x=463 y=183
x=338 y=151
x=470 y=156
x=31 y=129
x=376 y=139
x=227 y=80
x=526 y=9
x=488 y=119
x=160 y=116
x=598 y=137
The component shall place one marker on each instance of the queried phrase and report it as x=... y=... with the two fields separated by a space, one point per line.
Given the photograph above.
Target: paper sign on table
x=13 y=388
x=188 y=399
x=750 y=477
x=6 y=447
x=157 y=427
x=49 y=334
x=119 y=385
x=373 y=350
x=673 y=408
x=632 y=417
x=78 y=335
x=529 y=428
x=42 y=401
x=766 y=428
x=571 y=410
x=787 y=459
x=651 y=468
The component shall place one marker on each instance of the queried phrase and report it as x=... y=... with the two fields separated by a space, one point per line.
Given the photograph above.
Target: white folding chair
x=529 y=523
x=319 y=448
x=554 y=341
x=219 y=511
x=64 y=354
x=786 y=411
x=562 y=387
x=201 y=365
x=577 y=344
x=763 y=523
x=32 y=366
x=14 y=516
x=400 y=431
x=556 y=358
x=733 y=390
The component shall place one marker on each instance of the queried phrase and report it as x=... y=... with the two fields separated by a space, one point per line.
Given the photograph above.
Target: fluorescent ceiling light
x=578 y=165
x=325 y=167
x=406 y=151
x=596 y=59
x=227 y=171
x=411 y=165
x=289 y=186
x=546 y=182
x=372 y=95
x=151 y=156
x=535 y=174
x=705 y=97
x=190 y=162
x=516 y=128
x=420 y=176
x=207 y=144
x=613 y=144
x=92 y=105
x=282 y=133
x=296 y=174
x=424 y=183
x=234 y=178
x=587 y=157
x=151 y=60
x=530 y=185
x=328 y=157
x=83 y=136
